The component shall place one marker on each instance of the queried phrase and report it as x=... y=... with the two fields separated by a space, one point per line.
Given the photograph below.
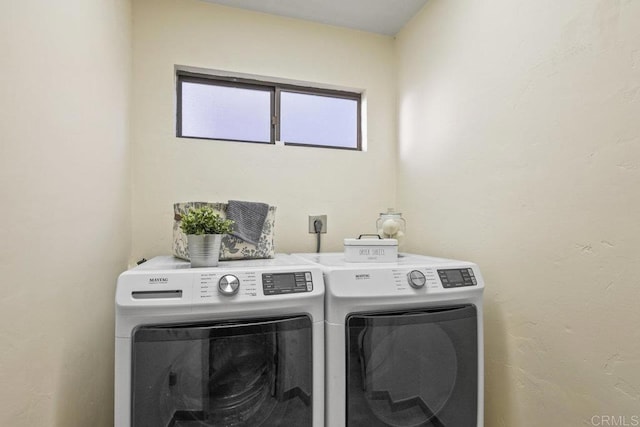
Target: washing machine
x=238 y=345
x=404 y=342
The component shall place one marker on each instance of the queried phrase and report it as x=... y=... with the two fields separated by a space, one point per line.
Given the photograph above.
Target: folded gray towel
x=248 y=219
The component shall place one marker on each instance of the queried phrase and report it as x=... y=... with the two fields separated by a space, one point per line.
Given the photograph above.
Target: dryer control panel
x=457 y=277
x=287 y=283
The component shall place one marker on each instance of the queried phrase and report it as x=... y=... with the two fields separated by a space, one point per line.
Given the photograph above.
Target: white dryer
x=404 y=342
x=241 y=344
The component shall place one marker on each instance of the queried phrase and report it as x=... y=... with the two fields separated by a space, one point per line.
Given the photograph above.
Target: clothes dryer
x=241 y=344
x=404 y=342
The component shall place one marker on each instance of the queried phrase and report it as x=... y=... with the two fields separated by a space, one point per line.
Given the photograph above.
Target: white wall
x=350 y=187
x=519 y=148
x=64 y=191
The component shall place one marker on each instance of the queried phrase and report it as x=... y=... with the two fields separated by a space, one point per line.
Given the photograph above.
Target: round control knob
x=228 y=285
x=416 y=279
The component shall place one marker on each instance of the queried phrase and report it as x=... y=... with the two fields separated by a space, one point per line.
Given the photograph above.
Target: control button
x=416 y=279
x=309 y=286
x=228 y=285
x=307 y=276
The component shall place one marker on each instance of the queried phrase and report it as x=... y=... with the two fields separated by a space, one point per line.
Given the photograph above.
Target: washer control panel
x=287 y=283
x=228 y=285
x=416 y=279
x=457 y=277
x=212 y=284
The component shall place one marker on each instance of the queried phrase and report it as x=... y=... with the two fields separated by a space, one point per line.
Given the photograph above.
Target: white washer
x=240 y=344
x=404 y=342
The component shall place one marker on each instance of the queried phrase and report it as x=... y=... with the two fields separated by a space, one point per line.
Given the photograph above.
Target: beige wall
x=64 y=180
x=519 y=148
x=350 y=187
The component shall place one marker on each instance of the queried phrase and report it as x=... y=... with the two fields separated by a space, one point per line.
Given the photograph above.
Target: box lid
x=370 y=240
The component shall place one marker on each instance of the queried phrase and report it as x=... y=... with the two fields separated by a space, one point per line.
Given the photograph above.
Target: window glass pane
x=222 y=112
x=318 y=120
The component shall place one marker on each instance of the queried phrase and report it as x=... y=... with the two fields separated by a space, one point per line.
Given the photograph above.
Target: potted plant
x=204 y=229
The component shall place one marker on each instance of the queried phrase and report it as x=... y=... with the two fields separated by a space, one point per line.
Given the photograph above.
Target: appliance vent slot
x=169 y=294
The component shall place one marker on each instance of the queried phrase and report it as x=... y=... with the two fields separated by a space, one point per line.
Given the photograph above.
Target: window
x=235 y=109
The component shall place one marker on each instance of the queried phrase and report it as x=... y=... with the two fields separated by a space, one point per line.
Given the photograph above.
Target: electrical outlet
x=313 y=218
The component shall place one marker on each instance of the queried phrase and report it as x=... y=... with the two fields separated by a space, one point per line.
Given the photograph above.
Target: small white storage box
x=370 y=249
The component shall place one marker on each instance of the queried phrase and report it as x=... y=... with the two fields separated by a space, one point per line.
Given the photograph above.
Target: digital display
x=454 y=276
x=284 y=281
x=287 y=283
x=457 y=277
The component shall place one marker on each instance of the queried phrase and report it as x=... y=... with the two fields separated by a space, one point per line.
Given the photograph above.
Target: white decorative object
x=391 y=225
x=372 y=249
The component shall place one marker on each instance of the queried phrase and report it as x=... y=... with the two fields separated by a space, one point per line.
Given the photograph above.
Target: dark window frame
x=276 y=89
x=235 y=83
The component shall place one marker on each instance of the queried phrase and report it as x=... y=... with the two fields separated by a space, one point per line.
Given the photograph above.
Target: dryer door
x=244 y=373
x=413 y=368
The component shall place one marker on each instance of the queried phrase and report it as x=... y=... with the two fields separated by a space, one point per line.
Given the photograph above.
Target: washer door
x=413 y=368
x=245 y=373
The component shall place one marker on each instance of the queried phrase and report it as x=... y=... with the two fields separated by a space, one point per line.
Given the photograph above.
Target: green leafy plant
x=205 y=220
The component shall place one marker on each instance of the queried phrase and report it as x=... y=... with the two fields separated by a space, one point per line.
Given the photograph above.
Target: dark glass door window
x=413 y=369
x=232 y=374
